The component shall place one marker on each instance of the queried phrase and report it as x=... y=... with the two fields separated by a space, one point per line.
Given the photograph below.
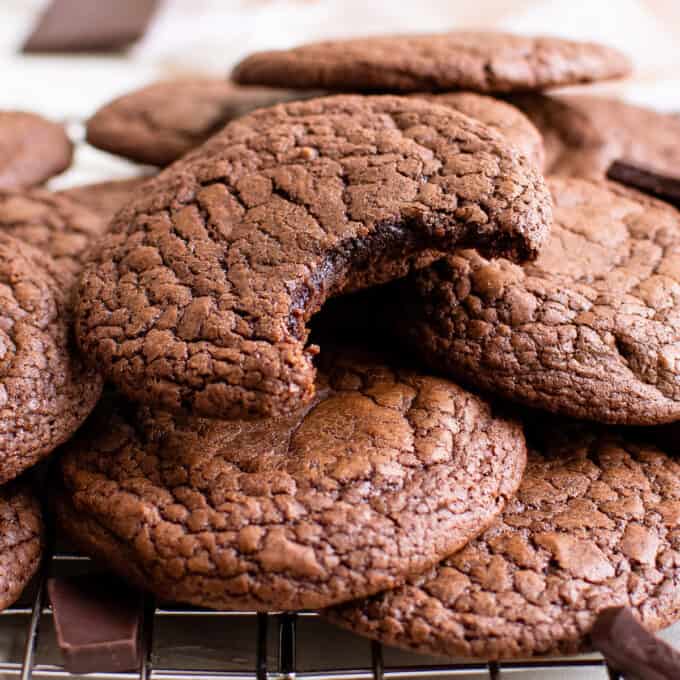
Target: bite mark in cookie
x=199 y=299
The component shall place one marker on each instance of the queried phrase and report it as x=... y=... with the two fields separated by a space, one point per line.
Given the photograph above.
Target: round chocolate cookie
x=199 y=299
x=45 y=391
x=591 y=329
x=477 y=61
x=382 y=474
x=21 y=541
x=161 y=122
x=503 y=117
x=104 y=198
x=595 y=524
x=53 y=223
x=583 y=135
x=32 y=149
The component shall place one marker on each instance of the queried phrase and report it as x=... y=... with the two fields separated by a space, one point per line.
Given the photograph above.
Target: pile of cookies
x=443 y=457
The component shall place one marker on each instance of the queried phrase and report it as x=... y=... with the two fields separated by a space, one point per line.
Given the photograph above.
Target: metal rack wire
x=277 y=648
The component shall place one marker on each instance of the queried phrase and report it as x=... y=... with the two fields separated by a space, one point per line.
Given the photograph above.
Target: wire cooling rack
x=187 y=644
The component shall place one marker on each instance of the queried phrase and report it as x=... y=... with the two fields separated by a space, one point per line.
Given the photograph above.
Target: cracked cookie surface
x=199 y=299
x=591 y=329
x=499 y=115
x=595 y=523
x=105 y=198
x=21 y=540
x=161 y=122
x=54 y=224
x=476 y=61
x=45 y=390
x=386 y=471
x=583 y=135
x=32 y=149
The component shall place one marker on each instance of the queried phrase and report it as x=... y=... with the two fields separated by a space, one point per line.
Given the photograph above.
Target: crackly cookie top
x=384 y=472
x=45 y=391
x=21 y=540
x=501 y=116
x=53 y=223
x=32 y=149
x=161 y=122
x=583 y=135
x=460 y=60
x=595 y=524
x=199 y=299
x=104 y=198
x=590 y=329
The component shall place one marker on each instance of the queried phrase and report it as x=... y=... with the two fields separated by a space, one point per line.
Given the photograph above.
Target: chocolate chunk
x=632 y=650
x=97 y=620
x=82 y=26
x=647 y=179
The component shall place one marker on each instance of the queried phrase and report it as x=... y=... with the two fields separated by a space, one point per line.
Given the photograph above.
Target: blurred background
x=208 y=36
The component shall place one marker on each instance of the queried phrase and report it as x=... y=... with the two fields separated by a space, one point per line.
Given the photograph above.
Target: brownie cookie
x=595 y=524
x=583 y=135
x=503 y=117
x=477 y=61
x=161 y=122
x=21 y=541
x=45 y=391
x=591 y=329
x=105 y=198
x=32 y=149
x=384 y=472
x=199 y=299
x=53 y=223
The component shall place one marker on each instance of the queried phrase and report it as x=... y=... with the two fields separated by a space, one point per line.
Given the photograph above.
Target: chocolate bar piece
x=97 y=620
x=632 y=650
x=90 y=26
x=649 y=180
